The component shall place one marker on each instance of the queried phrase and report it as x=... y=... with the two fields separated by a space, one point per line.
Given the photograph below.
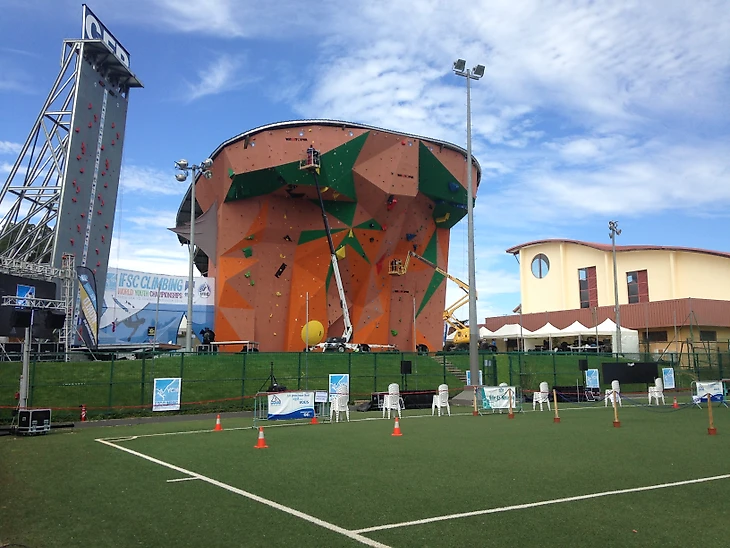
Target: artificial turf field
x=665 y=482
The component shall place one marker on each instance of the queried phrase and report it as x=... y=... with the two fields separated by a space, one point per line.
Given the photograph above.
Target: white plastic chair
x=338 y=403
x=441 y=400
x=392 y=400
x=543 y=396
x=615 y=389
x=657 y=391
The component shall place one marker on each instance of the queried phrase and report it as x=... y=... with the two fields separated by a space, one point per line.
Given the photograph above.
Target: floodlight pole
x=25 y=375
x=204 y=169
x=615 y=230
x=473 y=324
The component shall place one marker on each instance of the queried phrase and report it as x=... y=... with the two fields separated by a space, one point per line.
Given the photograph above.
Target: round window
x=540 y=265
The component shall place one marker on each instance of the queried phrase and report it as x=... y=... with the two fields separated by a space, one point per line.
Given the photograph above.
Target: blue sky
x=588 y=111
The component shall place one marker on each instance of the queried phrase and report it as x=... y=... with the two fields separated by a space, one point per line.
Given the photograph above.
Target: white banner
x=498 y=397
x=713 y=388
x=166 y=394
x=291 y=405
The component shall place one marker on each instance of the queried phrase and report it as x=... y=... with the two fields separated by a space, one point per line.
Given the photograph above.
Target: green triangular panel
x=354 y=244
x=431 y=251
x=311 y=235
x=337 y=164
x=344 y=211
x=434 y=178
x=433 y=285
x=366 y=225
x=456 y=213
x=254 y=183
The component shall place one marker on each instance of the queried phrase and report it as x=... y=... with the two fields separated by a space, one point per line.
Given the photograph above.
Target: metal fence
x=227 y=381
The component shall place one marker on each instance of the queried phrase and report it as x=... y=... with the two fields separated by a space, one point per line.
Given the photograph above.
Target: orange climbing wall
x=258 y=235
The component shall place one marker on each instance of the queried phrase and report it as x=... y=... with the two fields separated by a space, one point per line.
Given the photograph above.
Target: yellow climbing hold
x=278 y=293
x=340 y=252
x=444 y=218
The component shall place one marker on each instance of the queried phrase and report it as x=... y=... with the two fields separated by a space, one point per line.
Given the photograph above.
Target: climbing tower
x=260 y=233
x=61 y=193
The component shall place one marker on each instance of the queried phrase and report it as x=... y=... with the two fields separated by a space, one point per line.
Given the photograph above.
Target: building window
x=638 y=285
x=708 y=336
x=540 y=265
x=588 y=287
x=655 y=336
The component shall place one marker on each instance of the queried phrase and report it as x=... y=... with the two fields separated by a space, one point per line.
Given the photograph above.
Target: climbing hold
x=106 y=163
x=113 y=125
x=106 y=185
x=97 y=250
x=247 y=252
x=278 y=293
x=403 y=142
x=103 y=173
x=287 y=238
x=81 y=170
x=282 y=256
x=95 y=118
x=394 y=332
x=117 y=135
x=90 y=124
x=78 y=189
x=231 y=173
x=453 y=187
x=251 y=282
x=78 y=157
x=106 y=226
x=281 y=270
x=247 y=274
x=98 y=212
x=102 y=147
x=372 y=240
x=385 y=227
x=112 y=142
x=82 y=215
x=444 y=218
x=98 y=263
x=77 y=130
x=341 y=252
x=73 y=199
x=78 y=228
x=249 y=237
x=102 y=238
x=271 y=315
x=89 y=106
x=72 y=241
x=409 y=237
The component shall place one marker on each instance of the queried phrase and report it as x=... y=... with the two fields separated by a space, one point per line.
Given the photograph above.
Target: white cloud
x=149 y=180
x=225 y=73
x=6 y=147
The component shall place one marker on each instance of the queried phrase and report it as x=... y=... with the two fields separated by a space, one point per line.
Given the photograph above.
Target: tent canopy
x=511 y=331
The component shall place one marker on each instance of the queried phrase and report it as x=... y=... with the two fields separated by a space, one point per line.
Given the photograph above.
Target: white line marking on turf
x=306 y=517
x=536 y=504
x=180 y=479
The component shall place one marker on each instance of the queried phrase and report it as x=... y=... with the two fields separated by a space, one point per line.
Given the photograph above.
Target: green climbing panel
x=343 y=211
x=310 y=235
x=337 y=164
x=433 y=285
x=433 y=181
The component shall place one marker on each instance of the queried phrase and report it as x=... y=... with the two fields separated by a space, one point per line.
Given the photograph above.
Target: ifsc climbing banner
x=89 y=311
x=291 y=405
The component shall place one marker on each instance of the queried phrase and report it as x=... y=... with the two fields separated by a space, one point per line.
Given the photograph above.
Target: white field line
x=536 y=504
x=306 y=517
x=180 y=479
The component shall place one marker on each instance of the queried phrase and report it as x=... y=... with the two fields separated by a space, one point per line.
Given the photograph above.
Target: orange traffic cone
x=675 y=405
x=396 y=429
x=218 y=427
x=314 y=420
x=261 y=444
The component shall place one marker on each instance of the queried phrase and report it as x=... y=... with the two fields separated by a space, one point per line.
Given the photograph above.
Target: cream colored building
x=671 y=295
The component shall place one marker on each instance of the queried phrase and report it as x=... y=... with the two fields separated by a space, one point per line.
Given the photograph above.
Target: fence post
x=349 y=371
x=141 y=392
x=719 y=362
x=182 y=364
x=375 y=371
x=243 y=379
x=510 y=369
x=31 y=384
x=555 y=371
x=299 y=371
x=111 y=382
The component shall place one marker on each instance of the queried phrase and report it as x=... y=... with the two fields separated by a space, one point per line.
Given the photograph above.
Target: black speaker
x=55 y=319
x=583 y=365
x=21 y=317
x=405 y=368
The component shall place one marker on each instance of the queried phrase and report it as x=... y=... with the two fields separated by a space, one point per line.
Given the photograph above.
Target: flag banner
x=592 y=380
x=291 y=405
x=339 y=383
x=166 y=394
x=711 y=389
x=89 y=311
x=668 y=377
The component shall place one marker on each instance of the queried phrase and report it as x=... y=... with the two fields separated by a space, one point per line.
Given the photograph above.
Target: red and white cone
x=396 y=429
x=218 y=427
x=261 y=444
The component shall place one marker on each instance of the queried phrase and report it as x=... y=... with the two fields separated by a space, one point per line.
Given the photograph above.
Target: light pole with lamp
x=615 y=231
x=204 y=169
x=470 y=74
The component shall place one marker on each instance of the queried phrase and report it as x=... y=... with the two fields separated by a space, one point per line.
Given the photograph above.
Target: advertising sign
x=339 y=383
x=592 y=380
x=24 y=292
x=711 y=389
x=291 y=405
x=166 y=394
x=498 y=397
x=93 y=29
x=88 y=313
x=668 y=377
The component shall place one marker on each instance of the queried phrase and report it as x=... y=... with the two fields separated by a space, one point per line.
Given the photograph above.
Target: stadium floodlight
x=202 y=169
x=459 y=70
